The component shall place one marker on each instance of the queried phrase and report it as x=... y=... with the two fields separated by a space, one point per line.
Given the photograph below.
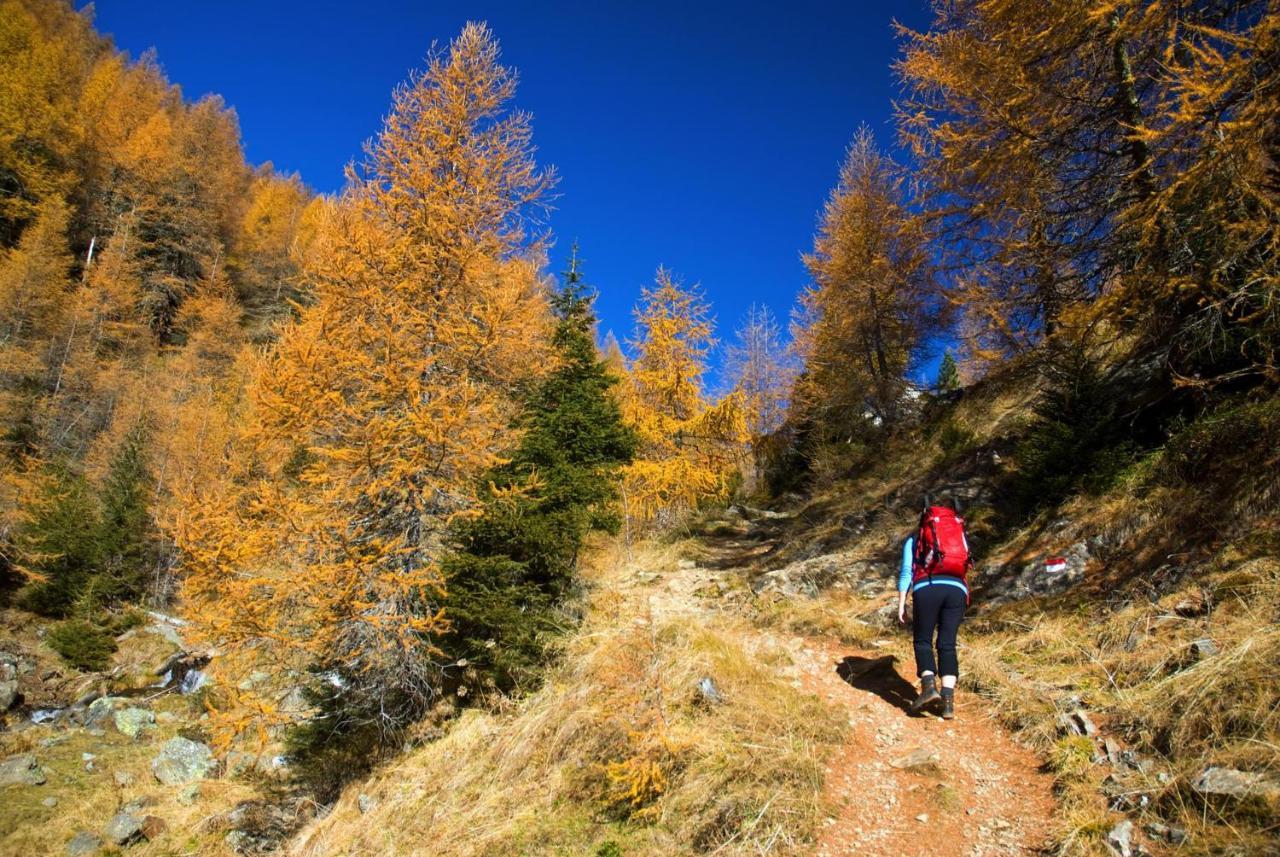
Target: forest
x=363 y=445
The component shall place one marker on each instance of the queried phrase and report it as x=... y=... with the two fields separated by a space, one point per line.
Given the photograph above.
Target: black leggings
x=940 y=607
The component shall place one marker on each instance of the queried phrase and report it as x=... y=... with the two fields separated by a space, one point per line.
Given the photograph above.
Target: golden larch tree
x=689 y=445
x=370 y=420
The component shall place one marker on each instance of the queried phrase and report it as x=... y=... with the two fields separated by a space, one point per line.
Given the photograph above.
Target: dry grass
x=1134 y=669
x=87 y=799
x=618 y=747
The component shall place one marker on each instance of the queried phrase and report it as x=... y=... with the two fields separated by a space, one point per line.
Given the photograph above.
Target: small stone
x=123 y=828
x=166 y=717
x=189 y=795
x=131 y=721
x=82 y=844
x=238 y=841
x=1201 y=649
x=97 y=733
x=50 y=802
x=365 y=803
x=918 y=759
x=123 y=778
x=1120 y=839
x=21 y=770
x=922 y=817
x=153 y=826
x=138 y=804
x=708 y=691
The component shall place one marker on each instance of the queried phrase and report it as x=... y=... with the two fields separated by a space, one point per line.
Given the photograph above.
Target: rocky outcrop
x=1000 y=582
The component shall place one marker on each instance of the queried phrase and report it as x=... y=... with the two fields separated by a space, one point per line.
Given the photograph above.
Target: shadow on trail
x=877 y=675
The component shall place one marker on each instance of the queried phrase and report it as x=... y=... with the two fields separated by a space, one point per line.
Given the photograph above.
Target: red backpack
x=941 y=547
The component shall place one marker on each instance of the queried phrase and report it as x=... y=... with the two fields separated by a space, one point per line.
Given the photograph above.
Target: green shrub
x=954 y=439
x=1078 y=438
x=82 y=644
x=1214 y=440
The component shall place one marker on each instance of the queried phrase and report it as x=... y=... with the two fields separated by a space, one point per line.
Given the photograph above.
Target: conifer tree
x=373 y=416
x=948 y=374
x=516 y=560
x=689 y=446
x=872 y=301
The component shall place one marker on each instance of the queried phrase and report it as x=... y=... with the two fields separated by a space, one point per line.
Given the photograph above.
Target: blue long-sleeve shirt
x=908 y=568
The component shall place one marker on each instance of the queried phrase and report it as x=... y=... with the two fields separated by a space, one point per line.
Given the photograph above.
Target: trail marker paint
x=1055 y=564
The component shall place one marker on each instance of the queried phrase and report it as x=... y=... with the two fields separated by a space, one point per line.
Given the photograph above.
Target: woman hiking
x=935 y=563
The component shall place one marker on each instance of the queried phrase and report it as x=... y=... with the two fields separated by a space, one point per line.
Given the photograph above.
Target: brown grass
x=555 y=773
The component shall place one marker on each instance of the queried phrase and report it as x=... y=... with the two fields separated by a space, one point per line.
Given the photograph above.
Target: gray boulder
x=181 y=761
x=101 y=710
x=132 y=721
x=8 y=694
x=83 y=843
x=1229 y=782
x=123 y=828
x=21 y=770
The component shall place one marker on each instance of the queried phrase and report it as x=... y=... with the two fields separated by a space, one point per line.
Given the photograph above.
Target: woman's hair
x=928 y=501
x=955 y=504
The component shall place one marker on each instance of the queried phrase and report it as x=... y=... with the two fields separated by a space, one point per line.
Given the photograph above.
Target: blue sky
x=700 y=135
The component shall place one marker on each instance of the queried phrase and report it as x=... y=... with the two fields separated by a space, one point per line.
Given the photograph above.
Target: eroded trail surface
x=901 y=784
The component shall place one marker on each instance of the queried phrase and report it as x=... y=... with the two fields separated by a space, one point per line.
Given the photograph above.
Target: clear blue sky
x=700 y=135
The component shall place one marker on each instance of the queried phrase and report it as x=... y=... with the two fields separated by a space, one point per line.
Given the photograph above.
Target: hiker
x=935 y=563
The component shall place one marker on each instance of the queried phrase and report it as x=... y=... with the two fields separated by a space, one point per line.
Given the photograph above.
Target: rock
x=21 y=770
x=916 y=760
x=168 y=631
x=1077 y=723
x=708 y=692
x=238 y=762
x=181 y=761
x=83 y=843
x=132 y=721
x=239 y=841
x=686 y=563
x=138 y=804
x=1120 y=839
x=922 y=817
x=101 y=710
x=8 y=694
x=153 y=826
x=1201 y=649
x=123 y=828
x=1004 y=583
x=122 y=778
x=49 y=802
x=189 y=795
x=166 y=717
x=1166 y=833
x=1192 y=606
x=1229 y=782
x=365 y=803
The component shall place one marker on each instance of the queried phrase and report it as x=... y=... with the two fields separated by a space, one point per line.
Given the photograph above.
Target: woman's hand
x=902 y=608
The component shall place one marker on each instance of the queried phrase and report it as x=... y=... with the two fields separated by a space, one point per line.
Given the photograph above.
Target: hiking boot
x=948 y=703
x=928 y=693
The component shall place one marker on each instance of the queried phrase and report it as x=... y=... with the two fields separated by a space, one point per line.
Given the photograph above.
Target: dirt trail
x=901 y=785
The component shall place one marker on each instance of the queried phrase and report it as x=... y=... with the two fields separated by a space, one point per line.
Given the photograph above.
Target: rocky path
x=901 y=785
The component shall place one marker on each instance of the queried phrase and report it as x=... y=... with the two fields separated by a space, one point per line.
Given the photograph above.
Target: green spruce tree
x=948 y=374
x=515 y=563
